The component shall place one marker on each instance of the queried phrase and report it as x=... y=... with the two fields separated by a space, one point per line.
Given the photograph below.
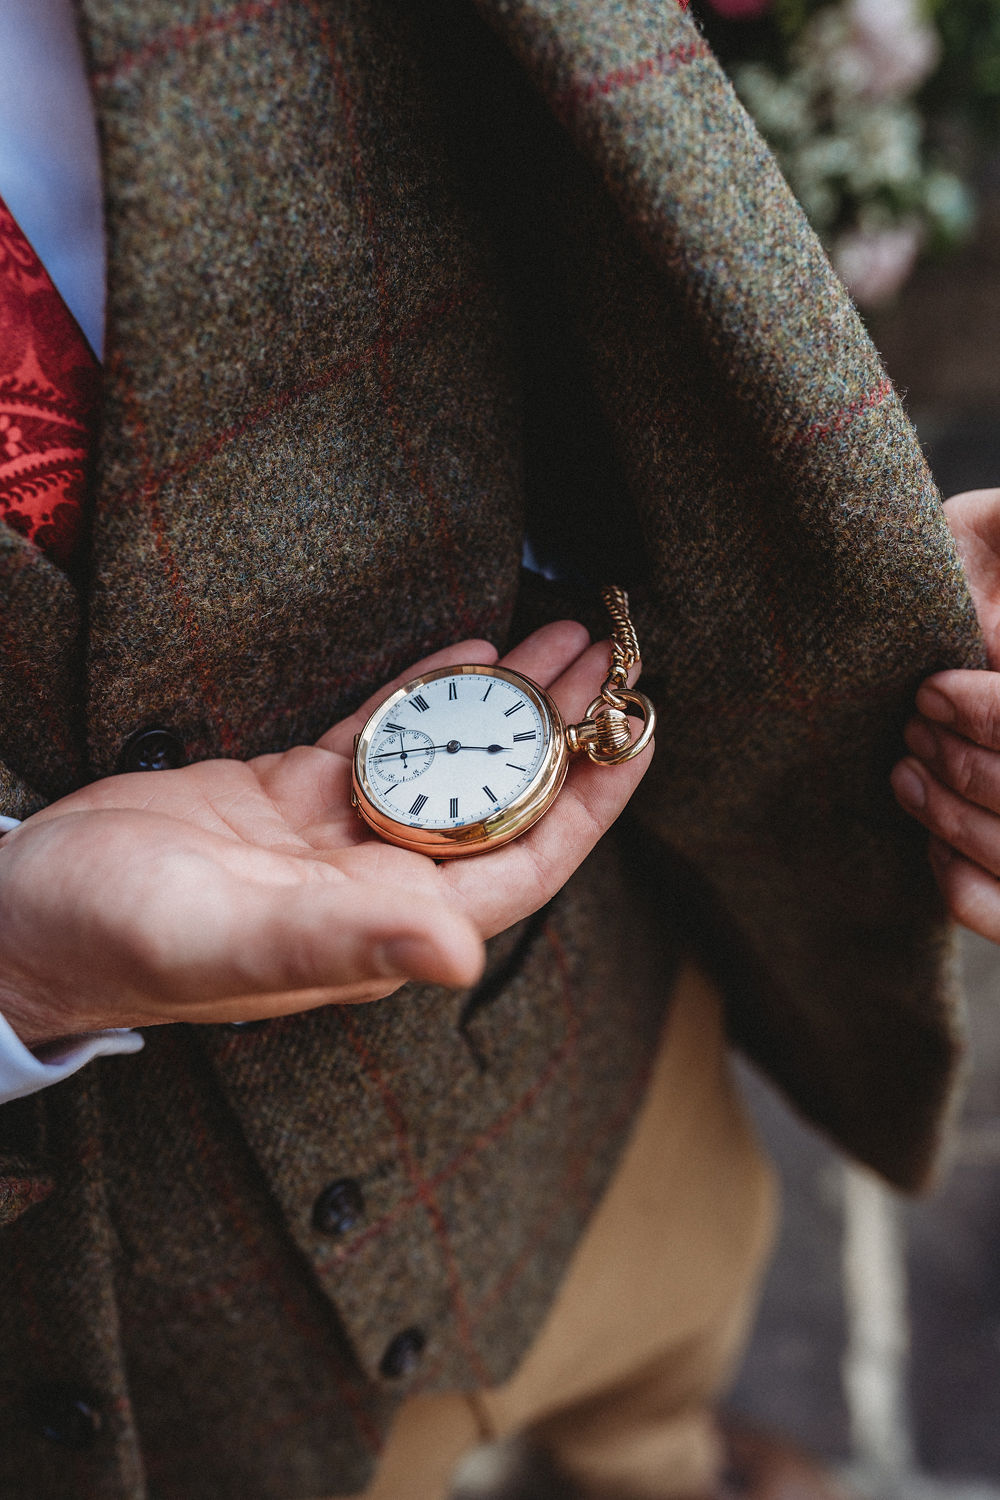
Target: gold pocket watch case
x=460 y=760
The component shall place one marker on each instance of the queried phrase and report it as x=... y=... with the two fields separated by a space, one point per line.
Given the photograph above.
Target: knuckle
x=957 y=900
x=945 y=814
x=966 y=908
x=972 y=898
x=986 y=721
x=962 y=762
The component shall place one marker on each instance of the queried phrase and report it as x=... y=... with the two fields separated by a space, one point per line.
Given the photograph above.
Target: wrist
x=33 y=1026
x=24 y=1072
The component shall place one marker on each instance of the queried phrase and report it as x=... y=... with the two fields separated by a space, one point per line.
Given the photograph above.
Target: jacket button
x=403 y=1354
x=64 y=1415
x=339 y=1207
x=152 y=750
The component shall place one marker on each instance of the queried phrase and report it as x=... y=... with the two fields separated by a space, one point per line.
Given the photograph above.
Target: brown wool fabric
x=385 y=282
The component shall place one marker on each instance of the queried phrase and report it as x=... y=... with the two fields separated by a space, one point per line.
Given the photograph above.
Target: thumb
x=350 y=937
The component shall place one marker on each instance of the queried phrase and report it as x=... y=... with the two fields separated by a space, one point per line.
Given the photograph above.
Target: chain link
x=604 y=734
x=624 y=643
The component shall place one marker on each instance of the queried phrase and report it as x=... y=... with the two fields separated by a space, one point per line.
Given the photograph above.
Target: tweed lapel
x=802 y=580
x=39 y=676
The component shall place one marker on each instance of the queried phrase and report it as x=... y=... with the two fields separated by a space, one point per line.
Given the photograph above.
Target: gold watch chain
x=605 y=734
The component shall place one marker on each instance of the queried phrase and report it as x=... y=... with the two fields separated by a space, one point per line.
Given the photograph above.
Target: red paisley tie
x=49 y=391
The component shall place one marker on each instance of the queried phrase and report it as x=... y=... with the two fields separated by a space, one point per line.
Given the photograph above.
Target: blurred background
x=879 y=1341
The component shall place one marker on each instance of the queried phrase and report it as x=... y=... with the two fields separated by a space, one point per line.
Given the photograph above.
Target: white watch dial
x=455 y=750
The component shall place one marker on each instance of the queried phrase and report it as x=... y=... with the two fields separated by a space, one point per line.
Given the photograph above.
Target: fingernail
x=934 y=705
x=908 y=784
x=921 y=739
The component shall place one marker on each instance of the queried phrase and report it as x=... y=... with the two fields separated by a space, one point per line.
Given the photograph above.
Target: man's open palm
x=232 y=890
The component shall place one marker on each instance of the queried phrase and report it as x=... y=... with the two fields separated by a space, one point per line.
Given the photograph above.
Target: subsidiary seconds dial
x=399 y=754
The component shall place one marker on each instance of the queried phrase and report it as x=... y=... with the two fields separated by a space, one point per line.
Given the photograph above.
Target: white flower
x=894 y=47
x=885 y=147
x=781 y=107
x=949 y=204
x=874 y=263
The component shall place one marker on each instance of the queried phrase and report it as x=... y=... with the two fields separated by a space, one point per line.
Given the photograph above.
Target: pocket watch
x=462 y=759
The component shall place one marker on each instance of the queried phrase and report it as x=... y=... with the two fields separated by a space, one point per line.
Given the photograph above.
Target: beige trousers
x=652 y=1314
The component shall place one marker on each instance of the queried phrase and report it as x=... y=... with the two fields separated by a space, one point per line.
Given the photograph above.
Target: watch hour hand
x=453 y=747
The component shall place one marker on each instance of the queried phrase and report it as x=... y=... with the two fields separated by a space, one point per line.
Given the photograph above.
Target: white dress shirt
x=50 y=171
x=50 y=179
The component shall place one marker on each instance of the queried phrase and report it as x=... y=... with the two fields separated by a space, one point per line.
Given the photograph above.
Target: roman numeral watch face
x=463 y=759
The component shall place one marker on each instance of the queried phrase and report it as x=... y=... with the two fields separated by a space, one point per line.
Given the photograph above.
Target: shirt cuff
x=23 y=1072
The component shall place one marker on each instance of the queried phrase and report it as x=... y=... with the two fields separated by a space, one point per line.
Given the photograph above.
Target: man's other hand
x=951 y=779
x=233 y=890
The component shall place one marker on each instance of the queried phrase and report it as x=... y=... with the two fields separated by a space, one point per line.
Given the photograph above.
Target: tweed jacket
x=387 y=284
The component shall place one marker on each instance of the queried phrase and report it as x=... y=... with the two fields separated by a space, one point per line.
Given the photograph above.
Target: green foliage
x=871 y=115
x=967 y=83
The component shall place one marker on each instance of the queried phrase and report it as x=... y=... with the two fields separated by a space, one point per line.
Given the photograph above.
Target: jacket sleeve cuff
x=23 y=1072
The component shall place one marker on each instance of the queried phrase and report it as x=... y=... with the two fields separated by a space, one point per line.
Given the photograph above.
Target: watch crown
x=606 y=733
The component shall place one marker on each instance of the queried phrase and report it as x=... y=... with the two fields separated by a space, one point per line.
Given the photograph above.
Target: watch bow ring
x=463 y=759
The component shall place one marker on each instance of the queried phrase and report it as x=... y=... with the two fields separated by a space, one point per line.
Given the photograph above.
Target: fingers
x=965 y=847
x=951 y=783
x=501 y=888
x=971 y=893
x=546 y=653
x=970 y=770
x=967 y=703
x=967 y=827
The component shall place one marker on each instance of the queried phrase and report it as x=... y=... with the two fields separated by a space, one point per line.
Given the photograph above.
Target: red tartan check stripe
x=809 y=432
x=341 y=370
x=154 y=481
x=570 y=1182
x=28 y=1271
x=171 y=568
x=660 y=65
x=796 y=696
x=178 y=38
x=479 y=1143
x=423 y=1193
x=277 y=1282
x=842 y=418
x=224 y=1287
x=576 y=1159
x=447 y=551
x=24 y=663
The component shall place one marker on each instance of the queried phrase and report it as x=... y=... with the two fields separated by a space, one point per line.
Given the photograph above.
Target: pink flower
x=740 y=10
x=893 y=46
x=874 y=263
